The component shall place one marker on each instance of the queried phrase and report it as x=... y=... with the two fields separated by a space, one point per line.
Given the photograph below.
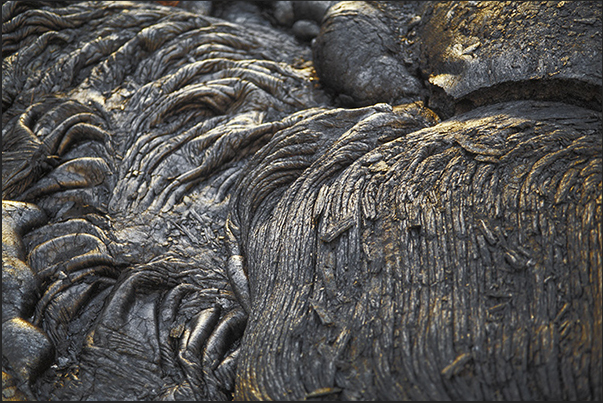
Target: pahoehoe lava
x=301 y=200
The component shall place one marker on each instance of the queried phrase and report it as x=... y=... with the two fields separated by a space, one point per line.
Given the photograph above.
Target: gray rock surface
x=359 y=56
x=385 y=278
x=201 y=202
x=480 y=52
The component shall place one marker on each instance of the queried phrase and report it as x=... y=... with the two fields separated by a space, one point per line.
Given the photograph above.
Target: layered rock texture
x=301 y=200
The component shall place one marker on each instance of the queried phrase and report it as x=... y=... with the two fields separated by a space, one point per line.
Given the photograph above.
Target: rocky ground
x=310 y=200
